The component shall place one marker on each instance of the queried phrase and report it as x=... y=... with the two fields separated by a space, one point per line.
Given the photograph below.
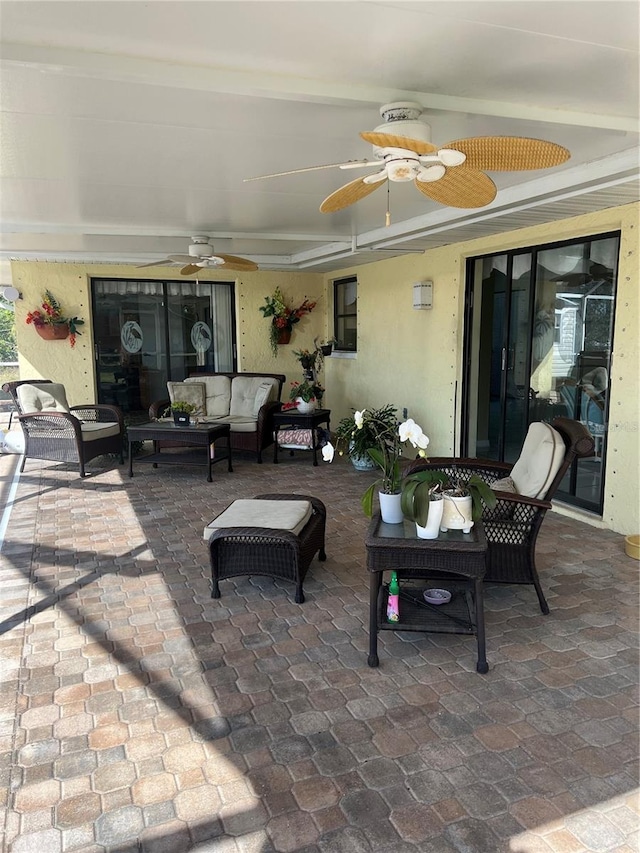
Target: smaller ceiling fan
x=202 y=256
x=452 y=174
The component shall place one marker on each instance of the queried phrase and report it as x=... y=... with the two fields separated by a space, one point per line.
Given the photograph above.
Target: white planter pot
x=457 y=513
x=432 y=527
x=306 y=408
x=390 y=508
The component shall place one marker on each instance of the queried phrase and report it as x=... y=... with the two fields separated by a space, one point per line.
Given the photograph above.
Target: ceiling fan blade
x=509 y=153
x=347 y=165
x=163 y=263
x=233 y=262
x=168 y=261
x=460 y=187
x=348 y=194
x=389 y=140
x=360 y=164
x=180 y=259
x=190 y=269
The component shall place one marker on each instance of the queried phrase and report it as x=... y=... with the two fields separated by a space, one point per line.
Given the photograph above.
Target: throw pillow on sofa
x=188 y=392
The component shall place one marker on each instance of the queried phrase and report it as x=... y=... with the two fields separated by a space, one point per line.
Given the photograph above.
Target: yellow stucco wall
x=407 y=357
x=70 y=284
x=413 y=358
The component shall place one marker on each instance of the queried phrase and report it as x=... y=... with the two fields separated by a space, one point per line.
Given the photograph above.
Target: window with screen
x=345 y=314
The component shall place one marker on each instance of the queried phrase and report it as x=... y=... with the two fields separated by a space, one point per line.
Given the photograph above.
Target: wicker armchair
x=512 y=526
x=74 y=436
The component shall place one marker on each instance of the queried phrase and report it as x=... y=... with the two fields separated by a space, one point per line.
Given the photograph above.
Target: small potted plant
x=306 y=395
x=181 y=412
x=325 y=348
x=462 y=500
x=361 y=431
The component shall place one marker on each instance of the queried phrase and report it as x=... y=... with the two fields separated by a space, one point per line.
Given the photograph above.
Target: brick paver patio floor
x=138 y=714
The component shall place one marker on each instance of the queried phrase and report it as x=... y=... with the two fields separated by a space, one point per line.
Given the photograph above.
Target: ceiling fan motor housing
x=200 y=247
x=402 y=118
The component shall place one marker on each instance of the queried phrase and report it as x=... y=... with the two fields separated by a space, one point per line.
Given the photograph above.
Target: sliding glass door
x=147 y=332
x=539 y=342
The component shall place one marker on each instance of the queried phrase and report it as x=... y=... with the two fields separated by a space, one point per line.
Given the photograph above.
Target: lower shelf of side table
x=455 y=617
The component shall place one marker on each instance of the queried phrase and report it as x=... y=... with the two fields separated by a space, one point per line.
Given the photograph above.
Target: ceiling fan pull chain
x=387 y=219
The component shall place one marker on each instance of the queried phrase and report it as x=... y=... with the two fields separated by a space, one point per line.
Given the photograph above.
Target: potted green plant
x=181 y=412
x=306 y=395
x=359 y=432
x=462 y=500
x=378 y=434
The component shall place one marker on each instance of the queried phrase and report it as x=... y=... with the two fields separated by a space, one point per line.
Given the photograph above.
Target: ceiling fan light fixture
x=428 y=174
x=451 y=157
x=403 y=169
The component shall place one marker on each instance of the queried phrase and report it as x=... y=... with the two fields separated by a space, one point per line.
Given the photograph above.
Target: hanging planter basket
x=284 y=336
x=51 y=332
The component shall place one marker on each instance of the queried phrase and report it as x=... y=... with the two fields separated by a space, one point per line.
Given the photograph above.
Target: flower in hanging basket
x=50 y=316
x=283 y=317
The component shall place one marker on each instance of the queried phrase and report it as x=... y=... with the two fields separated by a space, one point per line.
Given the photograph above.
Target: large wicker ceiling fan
x=453 y=174
x=201 y=256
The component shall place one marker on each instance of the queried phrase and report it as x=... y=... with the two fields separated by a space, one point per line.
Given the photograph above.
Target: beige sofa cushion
x=541 y=456
x=275 y=515
x=238 y=423
x=217 y=394
x=45 y=397
x=188 y=392
x=244 y=390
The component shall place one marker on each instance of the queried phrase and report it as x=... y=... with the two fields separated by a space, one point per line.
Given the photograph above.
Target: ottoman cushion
x=277 y=515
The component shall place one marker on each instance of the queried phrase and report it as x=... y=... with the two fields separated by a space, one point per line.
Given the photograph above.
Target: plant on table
x=420 y=487
x=178 y=407
x=378 y=434
x=50 y=313
x=309 y=391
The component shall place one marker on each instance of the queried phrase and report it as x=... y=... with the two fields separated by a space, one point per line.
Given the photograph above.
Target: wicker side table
x=459 y=557
x=236 y=551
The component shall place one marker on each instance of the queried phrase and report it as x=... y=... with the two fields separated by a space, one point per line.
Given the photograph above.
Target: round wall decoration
x=201 y=336
x=131 y=336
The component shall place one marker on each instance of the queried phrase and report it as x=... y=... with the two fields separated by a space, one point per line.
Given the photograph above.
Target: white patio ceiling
x=128 y=127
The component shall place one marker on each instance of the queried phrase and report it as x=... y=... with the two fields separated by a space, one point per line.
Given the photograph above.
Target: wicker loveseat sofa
x=243 y=400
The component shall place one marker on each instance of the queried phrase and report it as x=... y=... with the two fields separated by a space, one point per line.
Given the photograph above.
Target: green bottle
x=393 y=602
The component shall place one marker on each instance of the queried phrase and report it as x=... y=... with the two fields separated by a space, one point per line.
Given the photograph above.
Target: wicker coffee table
x=456 y=560
x=197 y=441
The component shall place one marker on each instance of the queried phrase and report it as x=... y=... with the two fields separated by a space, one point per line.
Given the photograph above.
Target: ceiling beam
x=104 y=66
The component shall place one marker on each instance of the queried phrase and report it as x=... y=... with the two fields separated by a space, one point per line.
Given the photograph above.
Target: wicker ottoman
x=247 y=549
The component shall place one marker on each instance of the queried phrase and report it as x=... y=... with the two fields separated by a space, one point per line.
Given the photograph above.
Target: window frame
x=340 y=284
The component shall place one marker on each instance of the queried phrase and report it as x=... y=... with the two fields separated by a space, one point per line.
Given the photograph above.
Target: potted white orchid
x=389 y=438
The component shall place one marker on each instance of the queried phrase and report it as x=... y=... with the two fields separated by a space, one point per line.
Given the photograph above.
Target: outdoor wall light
x=9 y=293
x=423 y=294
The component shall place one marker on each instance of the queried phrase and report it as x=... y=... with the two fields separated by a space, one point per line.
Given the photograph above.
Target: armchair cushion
x=97 y=430
x=45 y=397
x=542 y=455
x=188 y=392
